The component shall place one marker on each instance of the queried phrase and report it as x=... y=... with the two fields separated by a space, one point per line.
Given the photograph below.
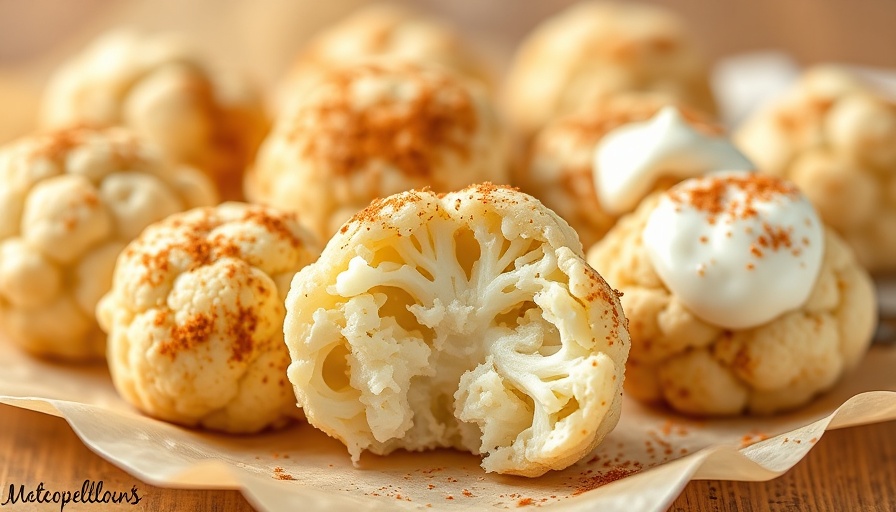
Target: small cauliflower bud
x=195 y=317
x=69 y=201
x=373 y=129
x=598 y=49
x=379 y=31
x=467 y=320
x=739 y=300
x=834 y=137
x=163 y=90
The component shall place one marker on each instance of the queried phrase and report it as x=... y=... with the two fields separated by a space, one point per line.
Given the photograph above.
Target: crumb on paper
x=590 y=482
x=753 y=438
x=281 y=474
x=524 y=502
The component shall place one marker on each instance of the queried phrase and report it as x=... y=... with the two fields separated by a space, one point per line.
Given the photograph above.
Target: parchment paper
x=643 y=465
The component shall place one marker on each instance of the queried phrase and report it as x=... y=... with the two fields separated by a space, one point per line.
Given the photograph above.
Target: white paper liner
x=651 y=455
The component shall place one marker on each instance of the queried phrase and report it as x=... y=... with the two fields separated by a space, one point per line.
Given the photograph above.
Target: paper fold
x=653 y=453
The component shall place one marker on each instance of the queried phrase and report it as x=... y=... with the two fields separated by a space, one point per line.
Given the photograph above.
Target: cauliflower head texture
x=835 y=137
x=162 y=89
x=468 y=320
x=195 y=317
x=595 y=49
x=382 y=31
x=374 y=129
x=702 y=369
x=69 y=202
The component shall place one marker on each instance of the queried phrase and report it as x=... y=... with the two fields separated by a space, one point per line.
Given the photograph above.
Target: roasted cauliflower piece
x=698 y=366
x=379 y=31
x=374 y=129
x=195 y=317
x=596 y=49
x=69 y=202
x=163 y=90
x=835 y=137
x=559 y=168
x=468 y=320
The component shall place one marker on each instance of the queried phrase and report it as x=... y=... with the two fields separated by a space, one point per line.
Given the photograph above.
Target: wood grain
x=850 y=469
x=36 y=448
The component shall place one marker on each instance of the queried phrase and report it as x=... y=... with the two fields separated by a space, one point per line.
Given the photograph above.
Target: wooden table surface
x=849 y=469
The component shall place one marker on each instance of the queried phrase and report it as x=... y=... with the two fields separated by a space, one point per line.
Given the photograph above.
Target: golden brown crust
x=597 y=50
x=371 y=130
x=412 y=136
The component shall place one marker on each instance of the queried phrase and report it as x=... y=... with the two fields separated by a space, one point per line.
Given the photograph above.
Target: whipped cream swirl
x=629 y=160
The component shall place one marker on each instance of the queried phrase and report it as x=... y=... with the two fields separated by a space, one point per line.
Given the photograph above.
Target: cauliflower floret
x=381 y=30
x=468 y=320
x=597 y=49
x=834 y=137
x=195 y=317
x=161 y=89
x=559 y=168
x=374 y=129
x=699 y=368
x=69 y=201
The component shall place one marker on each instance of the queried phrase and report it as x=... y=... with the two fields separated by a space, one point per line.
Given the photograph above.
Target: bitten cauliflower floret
x=69 y=202
x=559 y=169
x=374 y=129
x=699 y=368
x=380 y=30
x=195 y=317
x=598 y=49
x=835 y=138
x=468 y=320
x=158 y=87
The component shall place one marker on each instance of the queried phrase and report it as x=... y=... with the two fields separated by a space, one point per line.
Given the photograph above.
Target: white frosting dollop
x=629 y=160
x=738 y=249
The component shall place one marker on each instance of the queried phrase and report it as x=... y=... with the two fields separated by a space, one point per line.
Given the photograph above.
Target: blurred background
x=262 y=36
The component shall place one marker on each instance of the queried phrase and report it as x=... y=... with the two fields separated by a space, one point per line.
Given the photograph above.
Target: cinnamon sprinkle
x=193 y=241
x=281 y=474
x=408 y=133
x=603 y=478
x=709 y=196
x=187 y=335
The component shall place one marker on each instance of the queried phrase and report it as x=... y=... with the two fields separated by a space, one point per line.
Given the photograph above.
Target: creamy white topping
x=629 y=160
x=738 y=249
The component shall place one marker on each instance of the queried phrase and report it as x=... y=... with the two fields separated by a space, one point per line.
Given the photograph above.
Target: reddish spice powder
x=281 y=474
x=710 y=195
x=604 y=478
x=409 y=133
